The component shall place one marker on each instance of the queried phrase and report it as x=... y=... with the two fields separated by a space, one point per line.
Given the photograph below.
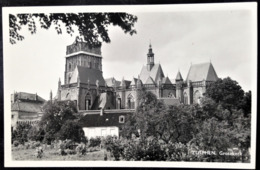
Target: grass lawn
x=51 y=154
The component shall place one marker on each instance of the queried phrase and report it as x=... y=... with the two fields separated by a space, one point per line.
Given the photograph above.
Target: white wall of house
x=92 y=132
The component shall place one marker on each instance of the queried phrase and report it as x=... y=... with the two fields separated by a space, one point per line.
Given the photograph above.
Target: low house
x=26 y=108
x=102 y=123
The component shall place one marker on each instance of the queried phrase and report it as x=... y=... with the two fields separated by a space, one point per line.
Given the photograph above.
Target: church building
x=110 y=100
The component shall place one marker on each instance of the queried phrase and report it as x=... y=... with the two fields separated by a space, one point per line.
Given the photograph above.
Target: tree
x=21 y=133
x=71 y=130
x=226 y=92
x=92 y=26
x=247 y=103
x=154 y=119
x=56 y=114
x=36 y=133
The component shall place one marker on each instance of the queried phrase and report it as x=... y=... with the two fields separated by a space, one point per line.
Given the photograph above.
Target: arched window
x=69 y=78
x=118 y=102
x=69 y=66
x=185 y=98
x=88 y=102
x=130 y=102
x=196 y=97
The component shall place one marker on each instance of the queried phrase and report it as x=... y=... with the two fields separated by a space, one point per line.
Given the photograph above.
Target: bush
x=70 y=151
x=94 y=142
x=39 y=152
x=146 y=149
x=81 y=149
x=15 y=143
x=37 y=144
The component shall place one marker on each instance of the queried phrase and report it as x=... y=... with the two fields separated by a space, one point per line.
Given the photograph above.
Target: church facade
x=84 y=82
x=105 y=103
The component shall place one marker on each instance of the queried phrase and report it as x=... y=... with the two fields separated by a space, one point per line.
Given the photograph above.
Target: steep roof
x=149 y=81
x=156 y=73
x=133 y=82
x=166 y=80
x=86 y=74
x=27 y=106
x=95 y=120
x=205 y=71
x=127 y=83
x=112 y=82
x=179 y=77
x=29 y=96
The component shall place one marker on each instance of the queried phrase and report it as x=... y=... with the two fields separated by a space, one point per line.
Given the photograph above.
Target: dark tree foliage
x=247 y=103
x=36 y=134
x=153 y=118
x=226 y=92
x=56 y=114
x=92 y=26
x=71 y=130
x=21 y=133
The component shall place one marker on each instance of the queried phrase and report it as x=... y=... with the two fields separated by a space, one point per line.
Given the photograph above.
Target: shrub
x=70 y=151
x=81 y=149
x=94 y=142
x=68 y=143
x=39 y=152
x=27 y=145
x=37 y=144
x=15 y=143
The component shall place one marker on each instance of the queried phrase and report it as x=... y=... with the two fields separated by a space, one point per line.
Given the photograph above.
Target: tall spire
x=150 y=58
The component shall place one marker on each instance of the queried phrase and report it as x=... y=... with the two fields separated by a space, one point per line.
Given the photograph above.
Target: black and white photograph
x=130 y=86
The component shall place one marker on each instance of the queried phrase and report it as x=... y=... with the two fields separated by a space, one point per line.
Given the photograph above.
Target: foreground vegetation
x=221 y=123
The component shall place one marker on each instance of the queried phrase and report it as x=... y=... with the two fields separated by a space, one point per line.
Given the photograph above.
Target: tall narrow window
x=196 y=97
x=185 y=98
x=87 y=102
x=118 y=104
x=130 y=102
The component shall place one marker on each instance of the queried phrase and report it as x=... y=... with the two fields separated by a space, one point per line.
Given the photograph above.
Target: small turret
x=139 y=83
x=123 y=84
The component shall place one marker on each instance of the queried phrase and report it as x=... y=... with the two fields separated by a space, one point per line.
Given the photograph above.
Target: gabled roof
x=149 y=81
x=28 y=96
x=133 y=82
x=84 y=74
x=27 y=107
x=205 y=71
x=166 y=80
x=179 y=77
x=127 y=83
x=156 y=73
x=111 y=82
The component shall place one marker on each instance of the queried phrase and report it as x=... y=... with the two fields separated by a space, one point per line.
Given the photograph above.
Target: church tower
x=150 y=58
x=80 y=54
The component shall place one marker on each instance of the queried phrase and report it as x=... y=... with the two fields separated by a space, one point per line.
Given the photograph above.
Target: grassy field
x=51 y=154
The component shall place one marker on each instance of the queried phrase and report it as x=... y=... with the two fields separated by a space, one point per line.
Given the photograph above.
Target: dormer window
x=121 y=119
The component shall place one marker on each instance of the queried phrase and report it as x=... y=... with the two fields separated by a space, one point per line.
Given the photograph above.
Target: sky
x=223 y=37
